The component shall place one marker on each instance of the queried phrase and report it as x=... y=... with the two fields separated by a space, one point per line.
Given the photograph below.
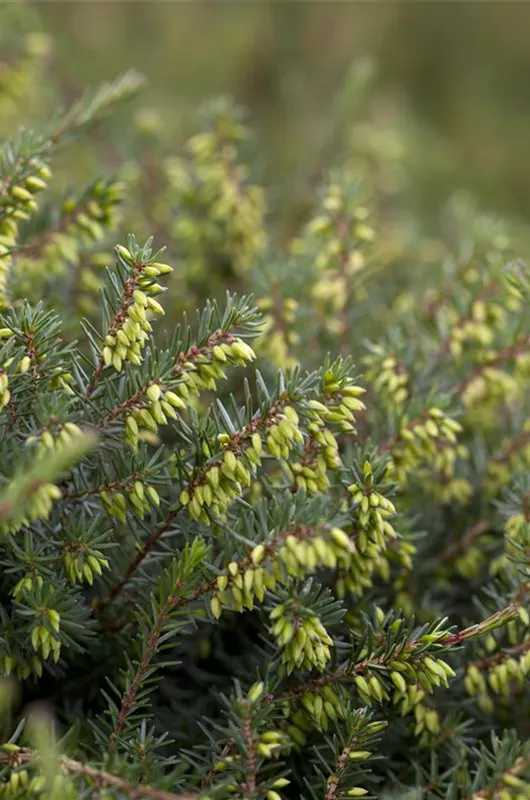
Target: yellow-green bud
x=358 y=755
x=255 y=692
x=153 y=392
x=25 y=363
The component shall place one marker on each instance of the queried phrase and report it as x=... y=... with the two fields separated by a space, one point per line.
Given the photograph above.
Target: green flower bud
x=215 y=607
x=24 y=365
x=153 y=392
x=257 y=554
x=255 y=692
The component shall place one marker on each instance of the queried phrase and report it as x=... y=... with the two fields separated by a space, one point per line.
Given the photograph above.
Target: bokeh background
x=462 y=68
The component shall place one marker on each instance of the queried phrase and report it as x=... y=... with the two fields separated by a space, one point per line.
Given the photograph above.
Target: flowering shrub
x=280 y=550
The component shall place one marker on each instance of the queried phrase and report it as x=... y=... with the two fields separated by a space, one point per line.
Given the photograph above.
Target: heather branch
x=116 y=323
x=509 y=778
x=133 y=565
x=479 y=629
x=126 y=483
x=151 y=648
x=270 y=550
x=497 y=658
x=334 y=783
x=99 y=777
x=195 y=351
x=35 y=246
x=511 y=351
x=250 y=752
x=183 y=364
x=341 y=765
x=489 y=291
x=132 y=401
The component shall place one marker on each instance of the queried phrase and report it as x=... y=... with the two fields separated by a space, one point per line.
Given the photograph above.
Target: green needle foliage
x=279 y=548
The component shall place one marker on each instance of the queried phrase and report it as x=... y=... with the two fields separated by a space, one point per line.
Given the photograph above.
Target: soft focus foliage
x=462 y=68
x=278 y=548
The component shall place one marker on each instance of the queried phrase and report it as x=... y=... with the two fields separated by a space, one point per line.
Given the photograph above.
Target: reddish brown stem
x=503 y=355
x=497 y=658
x=117 y=322
x=250 y=786
x=99 y=777
x=156 y=533
x=151 y=648
x=334 y=783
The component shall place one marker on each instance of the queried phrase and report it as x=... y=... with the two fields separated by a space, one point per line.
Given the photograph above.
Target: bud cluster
x=55 y=436
x=338 y=235
x=490 y=301
x=83 y=222
x=94 y=212
x=37 y=501
x=139 y=496
x=499 y=676
x=272 y=744
x=340 y=399
x=17 y=199
x=61 y=381
x=284 y=433
x=130 y=328
x=372 y=532
x=388 y=378
x=512 y=784
x=486 y=390
x=299 y=553
x=17 y=203
x=23 y=666
x=303 y=640
x=321 y=454
x=426 y=718
x=150 y=408
x=317 y=709
x=44 y=635
x=226 y=473
x=83 y=563
x=477 y=328
x=199 y=369
x=422 y=673
x=427 y=722
x=431 y=440
x=218 y=211
x=38 y=505
x=21 y=783
x=340 y=403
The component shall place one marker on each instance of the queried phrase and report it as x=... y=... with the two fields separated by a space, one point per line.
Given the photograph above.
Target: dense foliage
x=279 y=548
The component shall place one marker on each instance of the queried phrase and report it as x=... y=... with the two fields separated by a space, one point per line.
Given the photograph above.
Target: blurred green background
x=463 y=68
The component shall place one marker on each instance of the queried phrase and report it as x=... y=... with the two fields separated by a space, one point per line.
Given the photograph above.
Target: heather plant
x=277 y=548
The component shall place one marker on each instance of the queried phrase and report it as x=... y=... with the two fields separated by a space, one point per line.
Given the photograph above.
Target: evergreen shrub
x=280 y=548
